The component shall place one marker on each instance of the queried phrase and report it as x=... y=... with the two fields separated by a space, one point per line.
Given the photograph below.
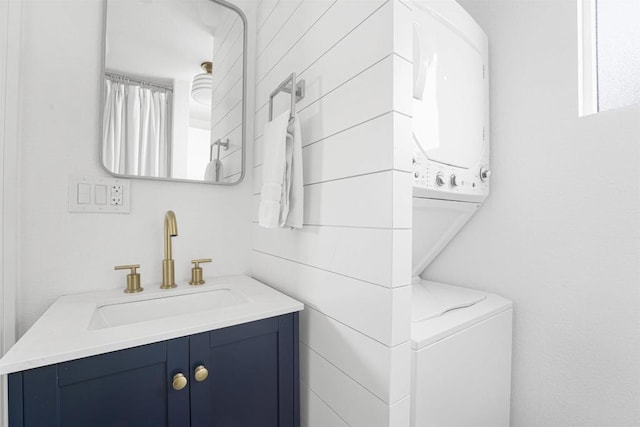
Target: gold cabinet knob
x=201 y=373
x=179 y=381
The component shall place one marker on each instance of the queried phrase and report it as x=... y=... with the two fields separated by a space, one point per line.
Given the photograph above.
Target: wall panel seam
x=330 y=271
x=227 y=113
x=222 y=78
x=354 y=77
x=347 y=128
x=296 y=42
x=391 y=347
x=345 y=177
x=338 y=132
x=227 y=154
x=226 y=36
x=331 y=47
x=348 y=226
x=353 y=379
x=229 y=133
x=231 y=87
x=340 y=179
x=403 y=58
x=284 y=24
x=324 y=94
x=268 y=16
x=403 y=114
x=348 y=177
x=405 y=5
x=324 y=401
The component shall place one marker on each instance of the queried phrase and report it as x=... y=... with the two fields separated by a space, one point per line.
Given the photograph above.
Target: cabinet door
x=128 y=388
x=253 y=375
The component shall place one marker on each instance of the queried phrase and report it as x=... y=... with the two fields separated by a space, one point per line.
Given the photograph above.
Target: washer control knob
x=485 y=173
x=455 y=181
x=439 y=180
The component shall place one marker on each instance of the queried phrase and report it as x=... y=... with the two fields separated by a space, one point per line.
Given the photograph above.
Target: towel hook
x=224 y=143
x=287 y=86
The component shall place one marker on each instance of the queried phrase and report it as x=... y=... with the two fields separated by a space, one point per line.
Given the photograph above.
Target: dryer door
x=450 y=99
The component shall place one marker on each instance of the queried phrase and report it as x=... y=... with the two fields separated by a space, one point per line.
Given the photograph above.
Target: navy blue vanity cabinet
x=123 y=388
x=252 y=381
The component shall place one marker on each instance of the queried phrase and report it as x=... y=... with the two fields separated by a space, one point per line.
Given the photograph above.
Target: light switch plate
x=84 y=193
x=100 y=196
x=106 y=195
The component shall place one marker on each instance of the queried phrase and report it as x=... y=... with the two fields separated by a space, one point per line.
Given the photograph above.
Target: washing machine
x=460 y=338
x=460 y=357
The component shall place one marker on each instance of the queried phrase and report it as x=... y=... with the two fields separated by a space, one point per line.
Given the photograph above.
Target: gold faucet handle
x=131 y=267
x=196 y=271
x=133 y=278
x=197 y=262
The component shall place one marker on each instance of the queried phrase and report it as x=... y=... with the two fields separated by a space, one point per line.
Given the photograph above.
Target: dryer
x=461 y=338
x=451 y=139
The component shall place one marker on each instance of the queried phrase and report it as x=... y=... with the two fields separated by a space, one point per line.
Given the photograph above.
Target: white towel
x=219 y=170
x=273 y=168
x=210 y=171
x=294 y=202
x=281 y=203
x=213 y=171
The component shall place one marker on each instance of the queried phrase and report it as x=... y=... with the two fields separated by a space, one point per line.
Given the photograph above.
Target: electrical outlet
x=116 y=194
x=116 y=199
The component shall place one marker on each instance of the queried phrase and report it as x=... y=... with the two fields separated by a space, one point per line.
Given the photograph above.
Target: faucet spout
x=170 y=230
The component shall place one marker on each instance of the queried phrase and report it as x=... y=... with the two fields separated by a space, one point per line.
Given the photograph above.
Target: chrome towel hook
x=224 y=143
x=287 y=86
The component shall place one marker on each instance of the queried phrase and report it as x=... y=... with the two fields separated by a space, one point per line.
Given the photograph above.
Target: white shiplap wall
x=350 y=263
x=226 y=108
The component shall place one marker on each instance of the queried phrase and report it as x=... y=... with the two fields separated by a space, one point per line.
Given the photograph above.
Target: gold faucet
x=170 y=230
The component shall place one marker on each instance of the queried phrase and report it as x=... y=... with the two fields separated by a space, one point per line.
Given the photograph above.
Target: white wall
x=180 y=133
x=226 y=109
x=10 y=13
x=560 y=233
x=350 y=264
x=63 y=253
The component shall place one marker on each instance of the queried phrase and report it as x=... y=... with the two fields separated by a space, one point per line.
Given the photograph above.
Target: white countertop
x=63 y=332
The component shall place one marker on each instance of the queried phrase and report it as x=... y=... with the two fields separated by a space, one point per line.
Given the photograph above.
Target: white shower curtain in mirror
x=136 y=129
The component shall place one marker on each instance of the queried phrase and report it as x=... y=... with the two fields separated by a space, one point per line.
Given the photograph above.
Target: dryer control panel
x=441 y=181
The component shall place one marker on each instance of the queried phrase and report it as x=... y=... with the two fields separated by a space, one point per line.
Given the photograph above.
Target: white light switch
x=101 y=194
x=84 y=194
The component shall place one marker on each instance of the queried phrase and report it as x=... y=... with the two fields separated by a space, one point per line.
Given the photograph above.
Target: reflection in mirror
x=173 y=104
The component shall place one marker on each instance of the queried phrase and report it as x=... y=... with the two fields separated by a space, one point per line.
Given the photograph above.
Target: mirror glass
x=173 y=97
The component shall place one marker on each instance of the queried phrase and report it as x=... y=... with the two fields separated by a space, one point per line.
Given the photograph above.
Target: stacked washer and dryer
x=461 y=338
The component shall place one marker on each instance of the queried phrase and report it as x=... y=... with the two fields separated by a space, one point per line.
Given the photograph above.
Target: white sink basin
x=125 y=313
x=87 y=324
